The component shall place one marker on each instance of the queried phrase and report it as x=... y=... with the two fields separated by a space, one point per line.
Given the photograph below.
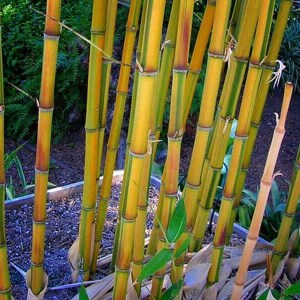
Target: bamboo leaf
x=182 y=248
x=172 y=291
x=158 y=261
x=293 y=290
x=83 y=294
x=177 y=222
x=275 y=194
x=244 y=218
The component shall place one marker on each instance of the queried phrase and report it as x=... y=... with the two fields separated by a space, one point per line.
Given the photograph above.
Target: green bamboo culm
x=165 y=74
x=129 y=133
x=90 y=186
x=104 y=91
x=4 y=273
x=45 y=104
x=228 y=102
x=241 y=135
x=147 y=80
x=281 y=243
x=114 y=137
x=175 y=130
x=268 y=68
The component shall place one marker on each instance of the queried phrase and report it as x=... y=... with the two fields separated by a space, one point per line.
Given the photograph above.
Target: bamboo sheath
x=265 y=186
x=229 y=98
x=175 y=129
x=129 y=134
x=268 y=67
x=241 y=135
x=147 y=79
x=104 y=90
x=5 y=285
x=46 y=103
x=281 y=243
x=92 y=138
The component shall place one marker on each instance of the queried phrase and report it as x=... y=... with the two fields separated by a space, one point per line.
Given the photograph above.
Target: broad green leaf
x=177 y=222
x=293 y=290
x=280 y=208
x=244 y=218
x=158 y=261
x=172 y=291
x=182 y=248
x=275 y=194
x=156 y=169
x=83 y=294
x=252 y=195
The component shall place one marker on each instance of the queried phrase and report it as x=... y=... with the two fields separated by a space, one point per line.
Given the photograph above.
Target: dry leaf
x=212 y=292
x=203 y=256
x=131 y=292
x=30 y=295
x=293 y=267
x=280 y=267
x=97 y=290
x=195 y=281
x=73 y=256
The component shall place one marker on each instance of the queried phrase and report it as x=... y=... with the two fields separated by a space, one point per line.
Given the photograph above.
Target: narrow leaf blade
x=177 y=222
x=158 y=261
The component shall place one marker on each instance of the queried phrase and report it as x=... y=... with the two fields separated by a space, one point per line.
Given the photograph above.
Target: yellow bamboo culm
x=38 y=282
x=114 y=137
x=265 y=186
x=86 y=230
x=241 y=135
x=146 y=85
x=5 y=285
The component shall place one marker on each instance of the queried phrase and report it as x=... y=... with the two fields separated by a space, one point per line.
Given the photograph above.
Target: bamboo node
x=204 y=128
x=51 y=37
x=87 y=208
x=46 y=110
x=2 y=292
x=42 y=172
x=2 y=184
x=216 y=55
x=39 y=222
x=37 y=265
x=121 y=270
x=276 y=74
x=191 y=186
x=2 y=108
x=136 y=155
x=180 y=71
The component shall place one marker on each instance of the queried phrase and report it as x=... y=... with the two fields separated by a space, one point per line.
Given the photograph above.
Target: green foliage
x=23 y=52
x=292 y=290
x=175 y=229
x=273 y=214
x=12 y=159
x=290 y=52
x=83 y=294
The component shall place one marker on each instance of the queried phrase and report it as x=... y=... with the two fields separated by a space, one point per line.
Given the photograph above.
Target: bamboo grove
x=236 y=49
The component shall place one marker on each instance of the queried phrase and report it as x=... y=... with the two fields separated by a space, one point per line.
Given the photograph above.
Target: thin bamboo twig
x=5 y=284
x=265 y=186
